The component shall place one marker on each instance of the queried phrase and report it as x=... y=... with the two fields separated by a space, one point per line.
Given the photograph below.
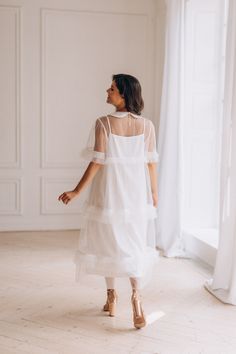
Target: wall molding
x=71 y=209
x=16 y=11
x=17 y=183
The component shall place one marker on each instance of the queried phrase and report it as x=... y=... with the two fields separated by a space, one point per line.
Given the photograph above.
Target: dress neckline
x=120 y=114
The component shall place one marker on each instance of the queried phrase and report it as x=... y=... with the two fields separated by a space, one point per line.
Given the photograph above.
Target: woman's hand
x=66 y=197
x=87 y=178
x=152 y=166
x=155 y=199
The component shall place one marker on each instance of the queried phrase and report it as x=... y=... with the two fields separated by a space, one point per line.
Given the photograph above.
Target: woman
x=121 y=207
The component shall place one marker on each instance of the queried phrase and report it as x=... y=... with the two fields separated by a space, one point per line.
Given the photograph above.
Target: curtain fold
x=223 y=283
x=170 y=189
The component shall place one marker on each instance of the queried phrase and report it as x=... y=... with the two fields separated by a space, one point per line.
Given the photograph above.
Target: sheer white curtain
x=169 y=140
x=223 y=283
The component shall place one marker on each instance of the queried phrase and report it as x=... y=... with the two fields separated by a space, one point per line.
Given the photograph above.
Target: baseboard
x=199 y=247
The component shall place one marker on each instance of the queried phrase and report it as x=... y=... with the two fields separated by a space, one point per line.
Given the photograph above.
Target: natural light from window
x=204 y=66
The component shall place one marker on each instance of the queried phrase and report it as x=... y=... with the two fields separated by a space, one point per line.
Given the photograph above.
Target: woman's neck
x=121 y=109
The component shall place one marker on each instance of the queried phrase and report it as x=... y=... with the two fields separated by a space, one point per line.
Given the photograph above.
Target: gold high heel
x=138 y=314
x=110 y=305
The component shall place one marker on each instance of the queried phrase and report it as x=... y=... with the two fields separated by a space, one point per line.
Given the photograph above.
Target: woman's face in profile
x=114 y=97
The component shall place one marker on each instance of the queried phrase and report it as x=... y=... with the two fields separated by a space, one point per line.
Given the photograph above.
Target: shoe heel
x=110 y=305
x=138 y=315
x=112 y=309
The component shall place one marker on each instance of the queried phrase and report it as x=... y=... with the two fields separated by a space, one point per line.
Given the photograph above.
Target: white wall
x=57 y=59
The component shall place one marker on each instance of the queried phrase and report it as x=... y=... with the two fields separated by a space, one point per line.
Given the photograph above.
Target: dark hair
x=130 y=88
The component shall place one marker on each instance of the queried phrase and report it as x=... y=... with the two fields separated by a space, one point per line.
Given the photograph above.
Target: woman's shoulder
x=101 y=119
x=148 y=122
x=101 y=122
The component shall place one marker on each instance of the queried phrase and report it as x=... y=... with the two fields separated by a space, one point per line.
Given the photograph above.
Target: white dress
x=117 y=238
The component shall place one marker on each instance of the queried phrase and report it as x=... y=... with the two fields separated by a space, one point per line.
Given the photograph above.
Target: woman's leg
x=110 y=282
x=138 y=315
x=134 y=284
x=110 y=304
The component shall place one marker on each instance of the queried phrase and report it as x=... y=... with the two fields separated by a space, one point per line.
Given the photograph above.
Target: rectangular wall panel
x=10 y=196
x=80 y=52
x=51 y=188
x=9 y=87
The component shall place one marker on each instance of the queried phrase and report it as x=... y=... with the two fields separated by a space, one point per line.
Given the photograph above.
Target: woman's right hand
x=66 y=197
x=155 y=199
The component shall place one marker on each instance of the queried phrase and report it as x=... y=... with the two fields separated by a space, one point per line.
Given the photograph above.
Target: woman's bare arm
x=153 y=177
x=86 y=179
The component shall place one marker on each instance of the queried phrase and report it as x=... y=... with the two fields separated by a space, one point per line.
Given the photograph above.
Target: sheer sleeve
x=151 y=149
x=95 y=149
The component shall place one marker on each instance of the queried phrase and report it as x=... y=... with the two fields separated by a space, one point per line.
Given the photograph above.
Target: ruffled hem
x=112 y=216
x=138 y=265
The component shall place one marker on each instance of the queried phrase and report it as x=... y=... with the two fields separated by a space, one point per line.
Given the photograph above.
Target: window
x=204 y=67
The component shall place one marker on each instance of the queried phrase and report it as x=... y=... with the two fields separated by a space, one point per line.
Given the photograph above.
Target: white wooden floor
x=44 y=311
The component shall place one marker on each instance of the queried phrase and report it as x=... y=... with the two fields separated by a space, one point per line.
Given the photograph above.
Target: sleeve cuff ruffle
x=92 y=155
x=100 y=157
x=152 y=156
